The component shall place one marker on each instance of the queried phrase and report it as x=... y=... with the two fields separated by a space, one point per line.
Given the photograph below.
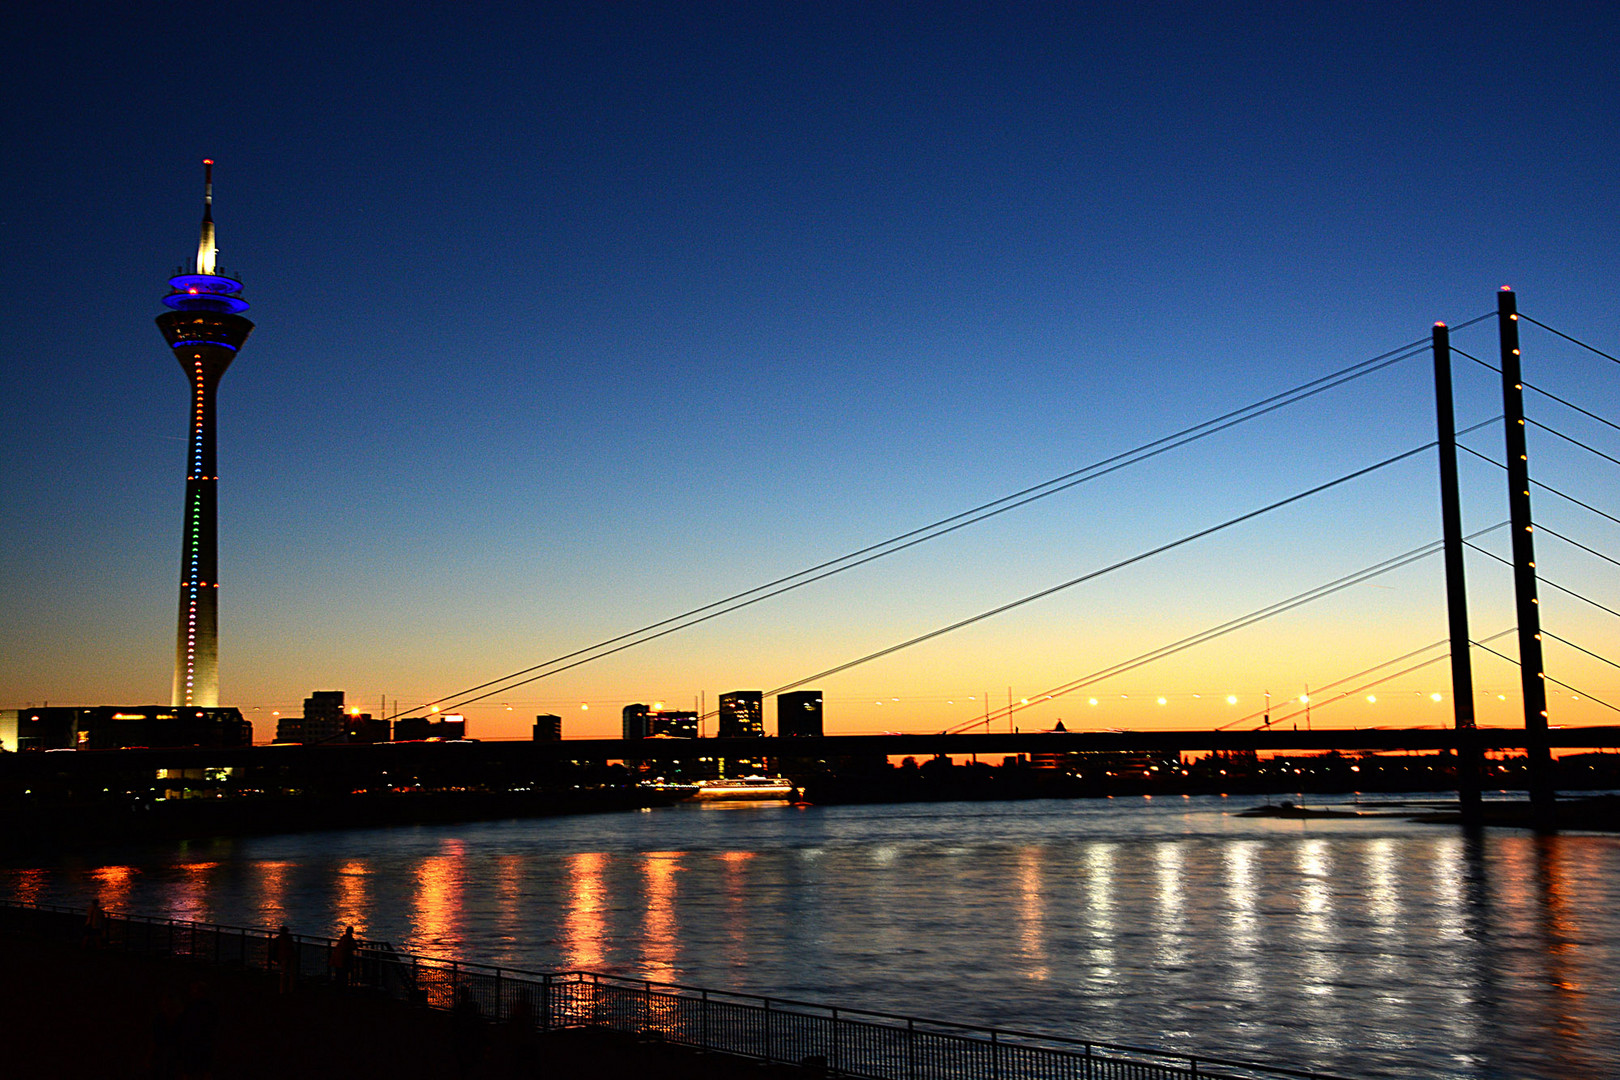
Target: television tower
x=204 y=328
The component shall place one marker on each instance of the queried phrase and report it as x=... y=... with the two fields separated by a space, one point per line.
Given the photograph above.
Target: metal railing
x=837 y=1042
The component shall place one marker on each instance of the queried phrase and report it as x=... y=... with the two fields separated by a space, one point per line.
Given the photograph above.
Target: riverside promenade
x=74 y=1012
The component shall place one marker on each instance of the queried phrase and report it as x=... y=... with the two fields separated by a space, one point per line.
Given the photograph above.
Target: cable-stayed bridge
x=1459 y=648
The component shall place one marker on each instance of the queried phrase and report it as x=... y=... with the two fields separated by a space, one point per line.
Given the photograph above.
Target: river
x=1378 y=948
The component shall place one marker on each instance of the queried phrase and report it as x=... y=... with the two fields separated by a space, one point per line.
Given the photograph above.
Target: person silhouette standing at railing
x=95 y=925
x=286 y=958
x=342 y=959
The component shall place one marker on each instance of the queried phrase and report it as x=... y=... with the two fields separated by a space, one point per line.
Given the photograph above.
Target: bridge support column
x=1532 y=676
x=1462 y=669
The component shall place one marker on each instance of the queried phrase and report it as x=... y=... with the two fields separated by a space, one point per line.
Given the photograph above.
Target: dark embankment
x=73 y=1012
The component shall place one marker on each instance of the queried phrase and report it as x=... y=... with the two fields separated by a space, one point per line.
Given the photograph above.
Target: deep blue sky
x=574 y=316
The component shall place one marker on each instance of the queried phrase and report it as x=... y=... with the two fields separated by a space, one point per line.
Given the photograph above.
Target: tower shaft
x=196 y=649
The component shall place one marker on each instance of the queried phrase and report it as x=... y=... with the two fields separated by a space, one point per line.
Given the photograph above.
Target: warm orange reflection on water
x=736 y=886
x=29 y=884
x=439 y=880
x=509 y=913
x=351 y=897
x=189 y=902
x=1560 y=937
x=113 y=884
x=659 y=949
x=586 y=922
x=272 y=891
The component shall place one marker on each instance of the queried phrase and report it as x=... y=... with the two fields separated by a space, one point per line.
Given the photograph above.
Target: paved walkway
x=66 y=1013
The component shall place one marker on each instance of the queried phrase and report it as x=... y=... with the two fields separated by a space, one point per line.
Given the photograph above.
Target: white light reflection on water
x=1098 y=917
x=1318 y=937
x=1375 y=948
x=1031 y=913
x=1243 y=922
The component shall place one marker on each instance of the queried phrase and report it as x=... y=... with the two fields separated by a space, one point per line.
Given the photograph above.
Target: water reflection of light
x=1099 y=912
x=659 y=869
x=1031 y=912
x=439 y=880
x=189 y=902
x=1447 y=871
x=1243 y=902
x=1572 y=1043
x=351 y=896
x=1314 y=864
x=113 y=884
x=586 y=923
x=1171 y=935
x=736 y=865
x=1383 y=898
x=28 y=885
x=271 y=892
x=509 y=890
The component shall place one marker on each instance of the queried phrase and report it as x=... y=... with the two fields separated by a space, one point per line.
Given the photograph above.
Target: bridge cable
x=1344 y=695
x=1555 y=682
x=1571 y=439
x=1122 y=563
x=1542 y=579
x=1545 y=487
x=1566 y=337
x=1544 y=393
x=982 y=512
x=1577 y=543
x=1578 y=648
x=1297 y=600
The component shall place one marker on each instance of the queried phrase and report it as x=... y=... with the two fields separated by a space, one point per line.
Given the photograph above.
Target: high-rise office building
x=548 y=728
x=742 y=714
x=322 y=720
x=205 y=329
x=798 y=714
x=641 y=722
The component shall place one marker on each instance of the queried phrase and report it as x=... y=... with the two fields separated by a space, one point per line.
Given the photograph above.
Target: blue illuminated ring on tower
x=205 y=292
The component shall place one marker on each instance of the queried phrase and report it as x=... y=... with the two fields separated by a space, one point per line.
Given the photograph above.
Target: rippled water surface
x=1367 y=948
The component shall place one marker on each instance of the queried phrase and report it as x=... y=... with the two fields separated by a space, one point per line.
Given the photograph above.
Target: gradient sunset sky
x=574 y=317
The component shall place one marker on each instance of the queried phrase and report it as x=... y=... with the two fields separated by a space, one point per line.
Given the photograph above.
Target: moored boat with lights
x=755 y=788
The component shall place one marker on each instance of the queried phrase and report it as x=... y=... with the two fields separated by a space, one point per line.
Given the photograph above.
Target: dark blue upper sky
x=574 y=316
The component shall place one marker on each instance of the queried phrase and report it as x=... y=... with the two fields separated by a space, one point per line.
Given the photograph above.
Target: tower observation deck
x=204 y=328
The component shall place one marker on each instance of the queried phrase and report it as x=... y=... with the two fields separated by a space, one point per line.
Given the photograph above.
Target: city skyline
x=660 y=305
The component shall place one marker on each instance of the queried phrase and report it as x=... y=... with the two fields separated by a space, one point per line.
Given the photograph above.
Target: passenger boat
x=758 y=788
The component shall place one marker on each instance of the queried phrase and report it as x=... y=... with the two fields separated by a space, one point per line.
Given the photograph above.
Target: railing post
x=1194 y=1062
x=497 y=993
x=995 y=1056
x=703 y=1014
x=1088 y=1061
x=832 y=1056
x=911 y=1049
x=545 y=1002
x=767 y=1031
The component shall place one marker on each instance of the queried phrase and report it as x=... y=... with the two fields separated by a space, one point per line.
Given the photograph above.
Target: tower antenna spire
x=207 y=249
